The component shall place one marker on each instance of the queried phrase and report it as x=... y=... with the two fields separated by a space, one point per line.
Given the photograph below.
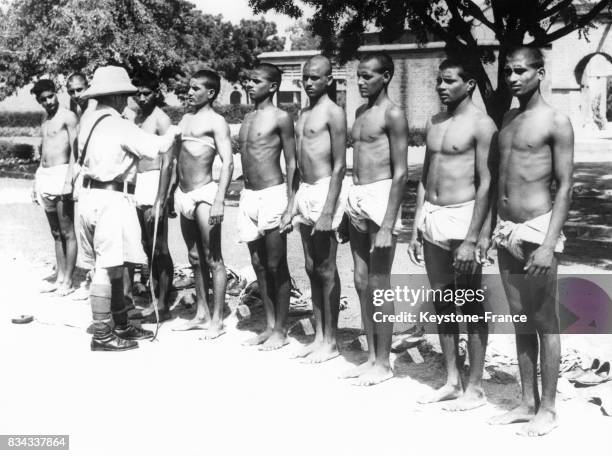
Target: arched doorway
x=594 y=74
x=235 y=97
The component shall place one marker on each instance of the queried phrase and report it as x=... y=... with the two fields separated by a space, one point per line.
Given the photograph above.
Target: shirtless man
x=452 y=204
x=266 y=202
x=153 y=120
x=321 y=154
x=200 y=200
x=53 y=182
x=75 y=86
x=380 y=135
x=536 y=146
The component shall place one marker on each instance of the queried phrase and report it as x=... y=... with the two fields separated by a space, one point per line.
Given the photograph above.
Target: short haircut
x=321 y=59
x=77 y=75
x=151 y=82
x=43 y=85
x=534 y=55
x=273 y=73
x=148 y=80
x=212 y=80
x=384 y=61
x=466 y=70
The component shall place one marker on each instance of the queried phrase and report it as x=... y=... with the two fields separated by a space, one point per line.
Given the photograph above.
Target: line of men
x=478 y=186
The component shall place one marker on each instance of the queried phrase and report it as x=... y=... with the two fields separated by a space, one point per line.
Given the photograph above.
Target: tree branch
x=581 y=22
x=555 y=9
x=436 y=28
x=469 y=7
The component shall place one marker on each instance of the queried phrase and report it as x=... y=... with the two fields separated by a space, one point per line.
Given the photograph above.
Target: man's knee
x=67 y=233
x=214 y=262
x=194 y=258
x=326 y=271
x=309 y=266
x=276 y=266
x=56 y=233
x=361 y=281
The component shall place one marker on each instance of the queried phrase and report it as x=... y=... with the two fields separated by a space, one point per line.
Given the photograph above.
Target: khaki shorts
x=147 y=184
x=108 y=230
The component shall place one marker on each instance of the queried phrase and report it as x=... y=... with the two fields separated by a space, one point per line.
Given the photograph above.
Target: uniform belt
x=124 y=187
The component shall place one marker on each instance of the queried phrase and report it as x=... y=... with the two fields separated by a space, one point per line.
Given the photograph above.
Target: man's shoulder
x=394 y=113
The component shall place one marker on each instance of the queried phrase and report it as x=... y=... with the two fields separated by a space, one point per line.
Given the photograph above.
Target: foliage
x=21 y=118
x=341 y=25
x=168 y=38
x=10 y=152
x=301 y=37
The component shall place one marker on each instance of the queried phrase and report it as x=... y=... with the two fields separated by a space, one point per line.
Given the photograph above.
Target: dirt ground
x=181 y=395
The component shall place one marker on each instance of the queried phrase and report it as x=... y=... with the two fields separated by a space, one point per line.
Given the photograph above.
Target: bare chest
x=52 y=128
x=369 y=126
x=258 y=127
x=451 y=138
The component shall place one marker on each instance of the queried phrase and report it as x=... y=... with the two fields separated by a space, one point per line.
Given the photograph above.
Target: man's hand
x=415 y=252
x=149 y=215
x=215 y=216
x=324 y=224
x=285 y=223
x=483 y=251
x=465 y=258
x=382 y=240
x=540 y=261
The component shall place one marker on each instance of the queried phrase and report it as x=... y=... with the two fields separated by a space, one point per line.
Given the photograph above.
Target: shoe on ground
x=112 y=343
x=131 y=332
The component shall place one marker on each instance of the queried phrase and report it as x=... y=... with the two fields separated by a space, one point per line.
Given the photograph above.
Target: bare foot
x=322 y=354
x=357 y=371
x=446 y=393
x=274 y=342
x=64 y=290
x=213 y=332
x=542 y=423
x=259 y=338
x=306 y=350
x=48 y=287
x=469 y=400
x=520 y=414
x=189 y=325
x=373 y=376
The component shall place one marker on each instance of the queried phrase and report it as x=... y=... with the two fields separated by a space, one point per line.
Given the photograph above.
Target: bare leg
x=201 y=320
x=277 y=272
x=473 y=396
x=439 y=266
x=210 y=240
x=315 y=293
x=360 y=248
x=65 y=216
x=512 y=276
x=259 y=256
x=379 y=278
x=162 y=268
x=327 y=282
x=544 y=307
x=60 y=258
